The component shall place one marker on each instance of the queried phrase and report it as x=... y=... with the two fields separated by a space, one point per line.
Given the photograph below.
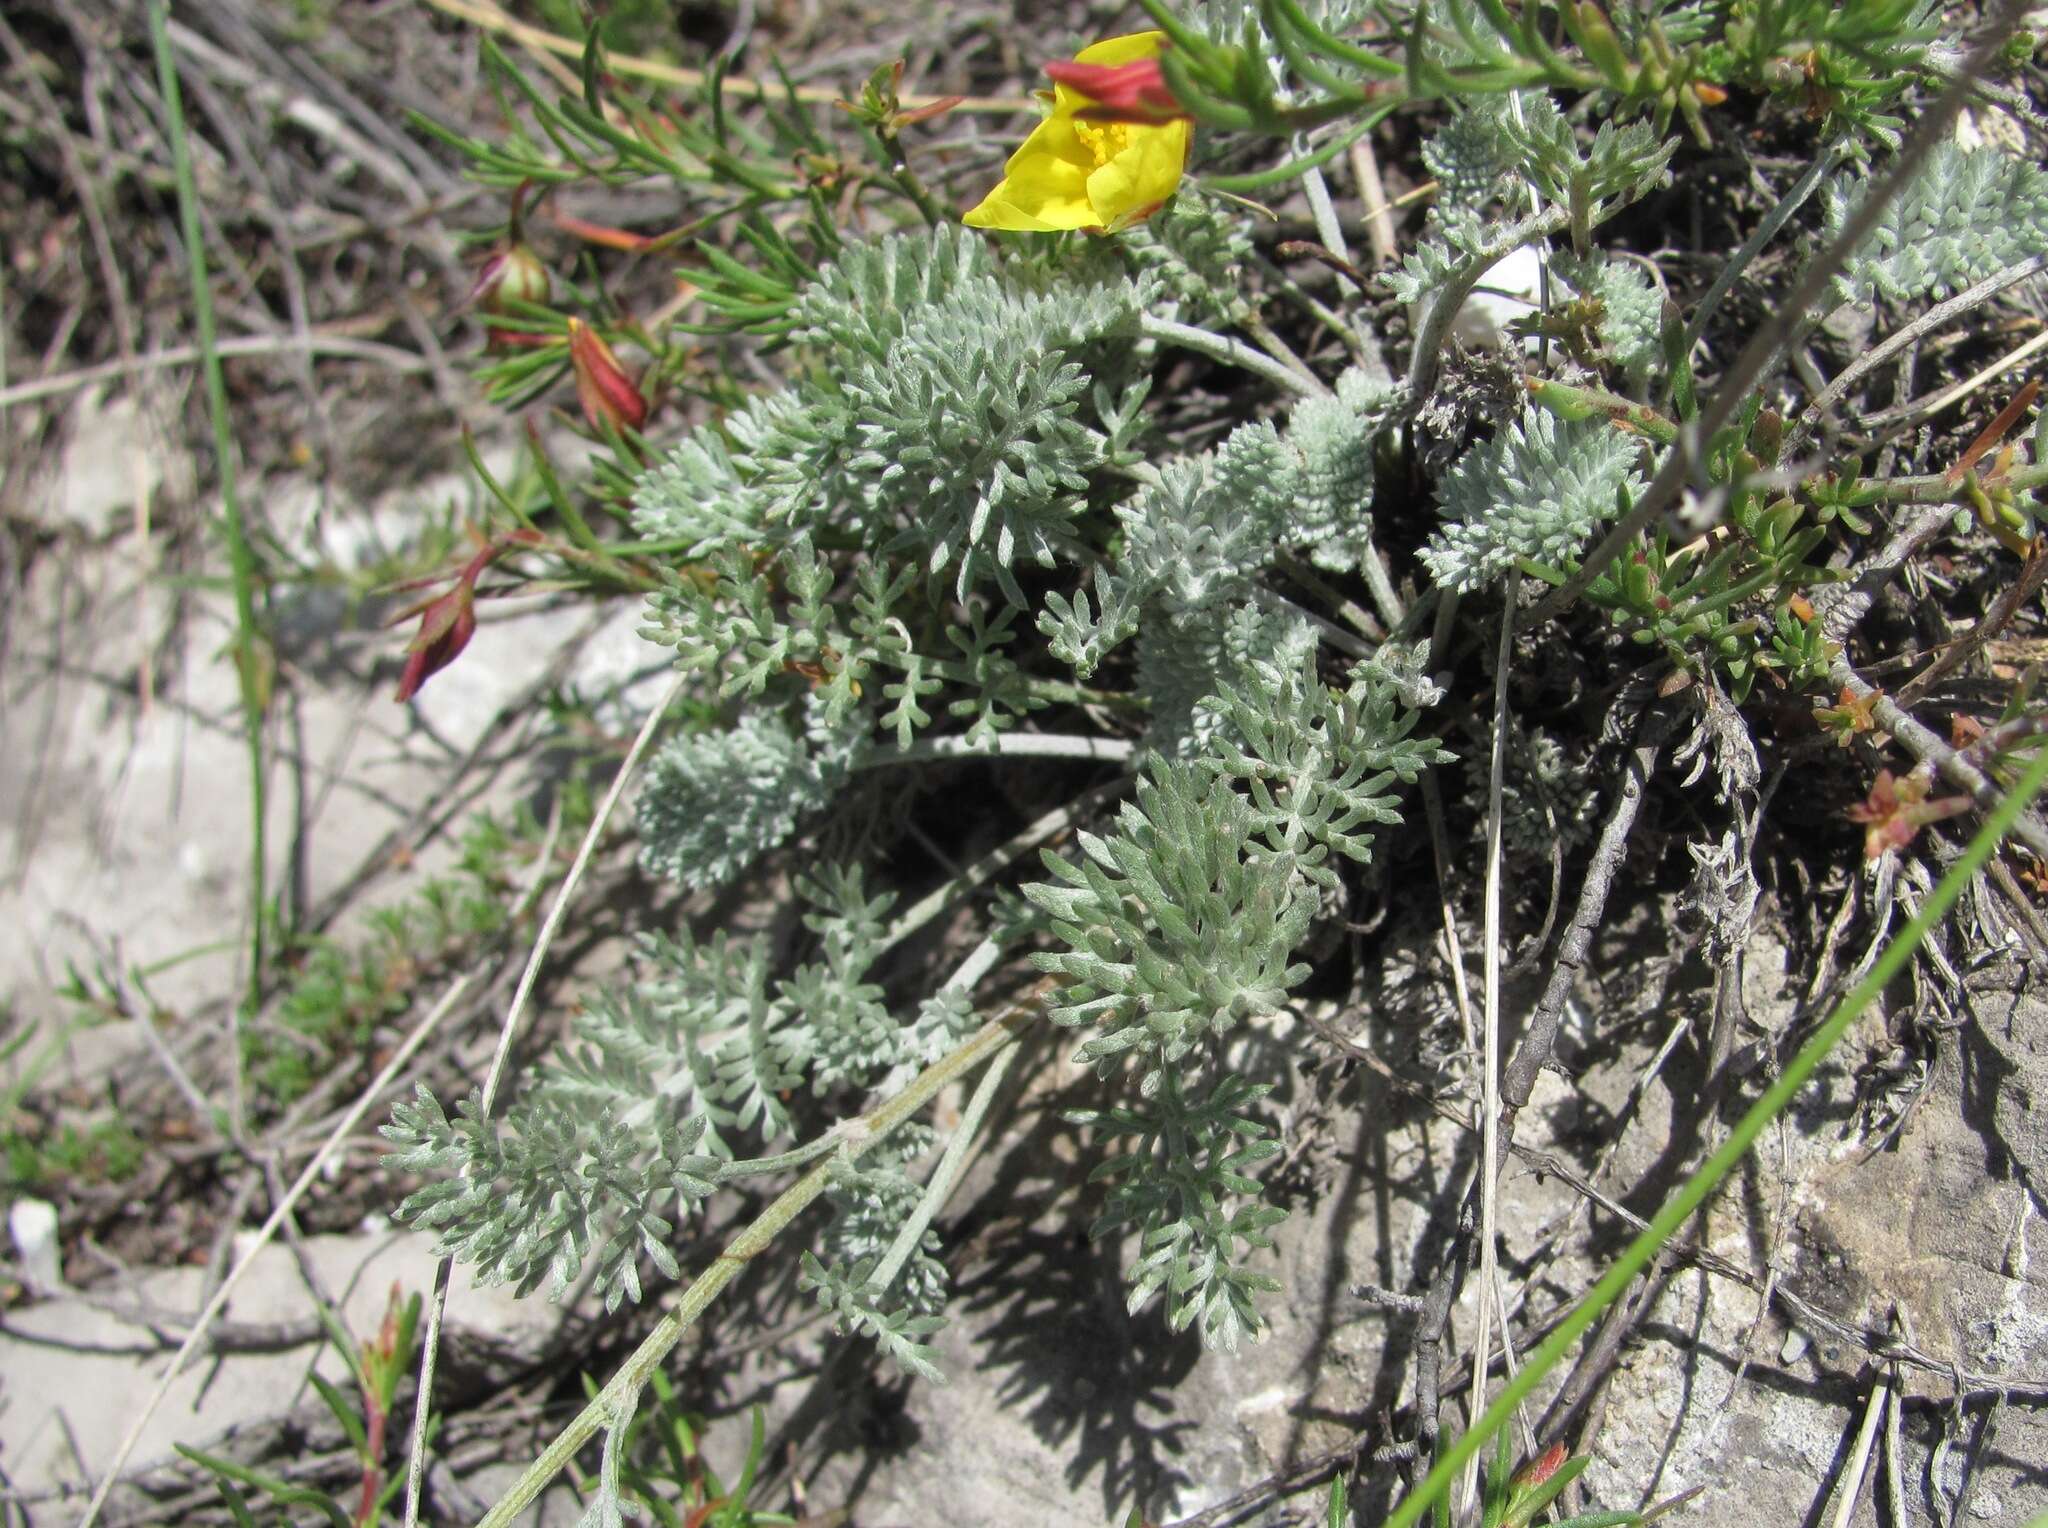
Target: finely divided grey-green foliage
x=1180 y=927
x=1471 y=160
x=952 y=438
x=960 y=412
x=840 y=669
x=527 y=1202
x=1182 y=1183
x=1968 y=214
x=963 y=382
x=1549 y=793
x=716 y=800
x=1537 y=491
x=861 y=557
x=1473 y=163
x=870 y=1201
x=1334 y=440
x=1238 y=24
x=1621 y=163
x=1631 y=317
x=1487 y=155
x=1175 y=932
x=667 y=1079
x=1318 y=764
x=1195 y=252
x=1080 y=632
x=851 y=1033
x=851 y=659
x=848 y=1292
x=950 y=422
x=1199 y=535
x=1429 y=267
x=1185 y=662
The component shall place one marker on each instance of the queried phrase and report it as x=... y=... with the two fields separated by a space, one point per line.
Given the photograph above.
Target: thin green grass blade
x=251 y=666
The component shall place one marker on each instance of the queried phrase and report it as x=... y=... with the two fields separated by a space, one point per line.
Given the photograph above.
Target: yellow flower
x=1076 y=173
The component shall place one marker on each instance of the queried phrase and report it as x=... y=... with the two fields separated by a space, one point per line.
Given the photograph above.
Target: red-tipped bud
x=448 y=621
x=446 y=625
x=513 y=274
x=926 y=112
x=1541 y=1468
x=1133 y=92
x=607 y=391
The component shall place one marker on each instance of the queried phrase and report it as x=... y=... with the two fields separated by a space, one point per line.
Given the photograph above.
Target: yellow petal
x=1011 y=210
x=1141 y=178
x=1044 y=186
x=1112 y=51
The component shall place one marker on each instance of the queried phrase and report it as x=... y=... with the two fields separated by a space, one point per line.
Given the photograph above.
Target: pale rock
x=32 y=1224
x=1511 y=290
x=118 y=450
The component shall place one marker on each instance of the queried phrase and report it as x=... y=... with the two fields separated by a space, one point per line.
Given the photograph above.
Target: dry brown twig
x=1867 y=361
x=320 y=341
x=1893 y=419
x=87 y=191
x=1539 y=1036
x=492 y=18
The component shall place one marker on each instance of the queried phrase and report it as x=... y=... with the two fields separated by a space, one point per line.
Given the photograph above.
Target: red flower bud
x=1541 y=1468
x=449 y=621
x=607 y=391
x=1133 y=92
x=446 y=625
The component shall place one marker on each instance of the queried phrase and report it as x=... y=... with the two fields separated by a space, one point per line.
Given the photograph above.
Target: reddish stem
x=373 y=1473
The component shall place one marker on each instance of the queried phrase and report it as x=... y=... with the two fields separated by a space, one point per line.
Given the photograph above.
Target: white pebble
x=33 y=1226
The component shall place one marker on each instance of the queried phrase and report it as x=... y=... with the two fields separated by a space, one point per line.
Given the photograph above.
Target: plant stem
x=373 y=1454
x=1940 y=488
x=945 y=1174
x=1489 y=1115
x=1927 y=746
x=1230 y=352
x=908 y=181
x=1539 y=1034
x=858 y=1135
x=1703 y=1182
x=1009 y=745
x=241 y=559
